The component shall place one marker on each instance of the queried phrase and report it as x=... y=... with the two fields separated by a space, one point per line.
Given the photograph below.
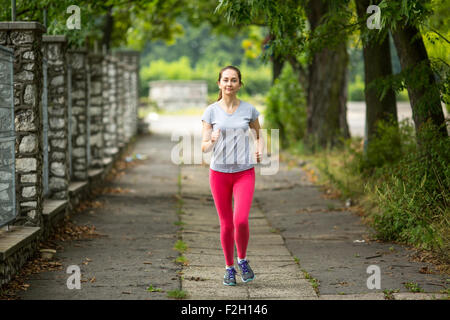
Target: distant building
x=178 y=94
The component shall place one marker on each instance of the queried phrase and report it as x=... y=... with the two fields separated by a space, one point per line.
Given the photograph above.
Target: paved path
x=139 y=228
x=277 y=274
x=334 y=246
x=294 y=232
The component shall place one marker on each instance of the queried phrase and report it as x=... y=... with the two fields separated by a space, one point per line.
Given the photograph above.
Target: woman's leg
x=221 y=189
x=243 y=189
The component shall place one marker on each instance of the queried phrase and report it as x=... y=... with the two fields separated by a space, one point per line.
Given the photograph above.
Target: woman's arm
x=259 y=141
x=209 y=138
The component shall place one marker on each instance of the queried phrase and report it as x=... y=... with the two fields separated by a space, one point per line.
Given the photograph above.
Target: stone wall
x=78 y=63
x=12 y=264
x=95 y=95
x=26 y=40
x=7 y=137
x=55 y=48
x=177 y=94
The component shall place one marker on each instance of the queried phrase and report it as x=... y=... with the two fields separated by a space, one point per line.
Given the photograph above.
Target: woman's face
x=229 y=82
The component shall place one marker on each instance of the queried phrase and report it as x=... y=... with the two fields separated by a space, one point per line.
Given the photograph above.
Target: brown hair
x=220 y=77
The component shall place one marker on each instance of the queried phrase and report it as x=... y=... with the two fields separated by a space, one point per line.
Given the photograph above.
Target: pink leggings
x=233 y=227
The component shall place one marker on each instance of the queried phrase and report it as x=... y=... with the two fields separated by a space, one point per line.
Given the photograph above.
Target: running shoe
x=229 y=278
x=246 y=272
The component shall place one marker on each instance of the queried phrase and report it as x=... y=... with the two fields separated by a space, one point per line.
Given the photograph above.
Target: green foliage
x=286 y=21
x=286 y=108
x=413 y=194
x=182 y=260
x=177 y=294
x=203 y=44
x=180 y=246
x=396 y=13
x=152 y=289
x=392 y=141
x=404 y=187
x=256 y=80
x=430 y=75
x=413 y=287
x=33 y=10
x=356 y=89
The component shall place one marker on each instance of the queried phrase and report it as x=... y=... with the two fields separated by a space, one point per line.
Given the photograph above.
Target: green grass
x=388 y=294
x=177 y=294
x=413 y=287
x=401 y=196
x=314 y=282
x=152 y=289
x=180 y=246
x=182 y=260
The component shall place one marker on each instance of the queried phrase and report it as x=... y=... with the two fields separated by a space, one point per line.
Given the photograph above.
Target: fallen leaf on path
x=425 y=270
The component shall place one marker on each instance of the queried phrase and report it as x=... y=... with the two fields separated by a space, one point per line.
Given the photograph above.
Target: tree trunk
x=377 y=65
x=108 y=29
x=424 y=96
x=277 y=67
x=299 y=70
x=327 y=89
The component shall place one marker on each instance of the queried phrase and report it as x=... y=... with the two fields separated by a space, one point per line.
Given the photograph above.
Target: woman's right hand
x=215 y=135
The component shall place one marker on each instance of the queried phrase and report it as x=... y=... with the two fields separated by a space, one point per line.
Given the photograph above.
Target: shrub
x=392 y=141
x=356 y=89
x=286 y=108
x=256 y=80
x=414 y=193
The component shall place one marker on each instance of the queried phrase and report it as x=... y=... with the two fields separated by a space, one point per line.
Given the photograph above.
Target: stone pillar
x=127 y=104
x=25 y=38
x=110 y=109
x=136 y=87
x=96 y=109
x=131 y=58
x=120 y=104
x=55 y=48
x=78 y=63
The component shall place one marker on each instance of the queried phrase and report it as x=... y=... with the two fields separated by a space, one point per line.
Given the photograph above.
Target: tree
x=327 y=83
x=325 y=78
x=277 y=61
x=425 y=89
x=377 y=66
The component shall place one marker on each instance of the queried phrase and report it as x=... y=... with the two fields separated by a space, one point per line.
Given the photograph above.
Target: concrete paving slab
x=420 y=296
x=365 y=296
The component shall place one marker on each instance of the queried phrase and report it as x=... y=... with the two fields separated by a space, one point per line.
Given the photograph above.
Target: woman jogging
x=226 y=125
